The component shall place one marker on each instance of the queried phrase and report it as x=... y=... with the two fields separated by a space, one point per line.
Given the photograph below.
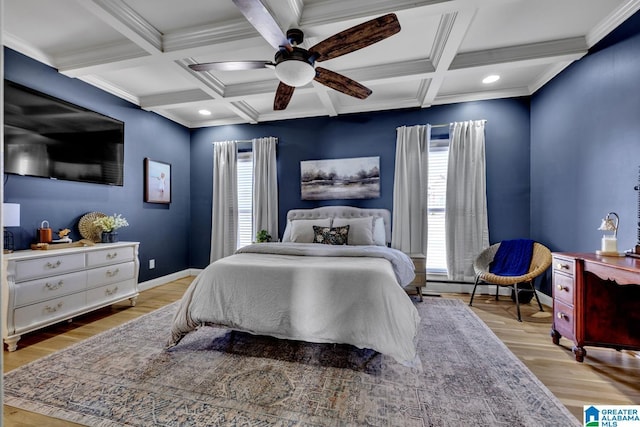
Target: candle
x=609 y=244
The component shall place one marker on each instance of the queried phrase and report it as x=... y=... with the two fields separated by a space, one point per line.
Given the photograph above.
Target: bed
x=325 y=293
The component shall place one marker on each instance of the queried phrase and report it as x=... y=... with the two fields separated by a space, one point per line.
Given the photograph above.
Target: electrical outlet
x=152 y=264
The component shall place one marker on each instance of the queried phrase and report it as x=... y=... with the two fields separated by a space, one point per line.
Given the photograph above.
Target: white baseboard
x=467 y=288
x=158 y=281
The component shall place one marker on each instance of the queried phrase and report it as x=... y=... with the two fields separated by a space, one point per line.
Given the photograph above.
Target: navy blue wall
x=585 y=146
x=161 y=229
x=374 y=134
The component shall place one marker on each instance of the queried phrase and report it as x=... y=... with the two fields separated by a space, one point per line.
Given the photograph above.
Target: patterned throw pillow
x=331 y=235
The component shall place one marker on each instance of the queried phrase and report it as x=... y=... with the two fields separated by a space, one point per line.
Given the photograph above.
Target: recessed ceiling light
x=491 y=79
x=205 y=112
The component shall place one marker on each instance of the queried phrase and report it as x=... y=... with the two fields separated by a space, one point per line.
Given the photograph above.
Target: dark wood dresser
x=596 y=301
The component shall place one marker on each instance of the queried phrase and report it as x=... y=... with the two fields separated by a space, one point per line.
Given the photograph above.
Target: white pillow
x=302 y=229
x=379 y=234
x=286 y=236
x=360 y=229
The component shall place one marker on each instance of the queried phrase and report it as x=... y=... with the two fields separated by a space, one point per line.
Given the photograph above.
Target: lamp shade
x=610 y=224
x=11 y=214
x=607 y=225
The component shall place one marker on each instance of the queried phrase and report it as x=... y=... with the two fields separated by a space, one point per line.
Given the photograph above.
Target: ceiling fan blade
x=261 y=19
x=341 y=83
x=283 y=96
x=231 y=65
x=357 y=37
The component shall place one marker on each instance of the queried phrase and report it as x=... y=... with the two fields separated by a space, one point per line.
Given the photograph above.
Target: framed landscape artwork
x=157 y=181
x=353 y=178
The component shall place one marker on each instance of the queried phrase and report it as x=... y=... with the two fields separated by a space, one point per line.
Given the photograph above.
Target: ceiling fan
x=295 y=66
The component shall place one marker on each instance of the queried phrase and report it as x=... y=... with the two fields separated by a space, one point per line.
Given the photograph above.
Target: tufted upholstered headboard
x=343 y=212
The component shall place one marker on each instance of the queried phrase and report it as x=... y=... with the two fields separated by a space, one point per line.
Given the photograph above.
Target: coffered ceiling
x=140 y=50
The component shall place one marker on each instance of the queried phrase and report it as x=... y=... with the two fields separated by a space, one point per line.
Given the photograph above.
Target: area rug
x=216 y=377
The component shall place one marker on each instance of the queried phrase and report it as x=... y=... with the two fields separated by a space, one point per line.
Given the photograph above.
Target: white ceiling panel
x=522 y=22
x=170 y=15
x=151 y=79
x=56 y=27
x=510 y=78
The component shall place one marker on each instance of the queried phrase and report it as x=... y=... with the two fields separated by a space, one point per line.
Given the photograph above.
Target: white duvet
x=308 y=292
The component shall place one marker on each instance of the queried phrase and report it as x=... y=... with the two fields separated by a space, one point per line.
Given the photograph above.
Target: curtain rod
x=243 y=140
x=448 y=124
x=234 y=140
x=433 y=126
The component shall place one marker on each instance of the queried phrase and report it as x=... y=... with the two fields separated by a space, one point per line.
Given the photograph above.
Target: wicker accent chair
x=540 y=261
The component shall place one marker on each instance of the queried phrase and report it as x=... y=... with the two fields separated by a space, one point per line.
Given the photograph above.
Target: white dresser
x=43 y=287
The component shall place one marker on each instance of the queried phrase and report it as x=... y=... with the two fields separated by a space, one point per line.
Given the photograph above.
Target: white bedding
x=309 y=292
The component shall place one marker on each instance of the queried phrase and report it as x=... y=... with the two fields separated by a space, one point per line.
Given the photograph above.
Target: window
x=437 y=193
x=244 y=171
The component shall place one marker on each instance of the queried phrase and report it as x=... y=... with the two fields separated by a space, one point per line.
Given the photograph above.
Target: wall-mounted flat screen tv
x=51 y=138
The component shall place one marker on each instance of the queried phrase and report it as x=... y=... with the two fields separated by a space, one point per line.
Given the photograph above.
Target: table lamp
x=10 y=218
x=609 y=242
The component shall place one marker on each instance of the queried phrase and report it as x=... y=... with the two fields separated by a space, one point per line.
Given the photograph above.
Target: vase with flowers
x=108 y=225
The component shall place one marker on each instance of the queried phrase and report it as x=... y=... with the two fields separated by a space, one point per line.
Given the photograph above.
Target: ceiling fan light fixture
x=295 y=73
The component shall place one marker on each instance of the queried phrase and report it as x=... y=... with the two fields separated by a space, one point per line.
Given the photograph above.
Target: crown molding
x=172 y=116
x=552 y=50
x=423 y=90
x=432 y=91
x=548 y=75
x=240 y=90
x=417 y=68
x=110 y=88
x=235 y=120
x=235 y=31
x=103 y=58
x=481 y=96
x=25 y=48
x=612 y=21
x=173 y=99
x=332 y=11
x=325 y=98
x=380 y=106
x=205 y=80
x=125 y=20
x=445 y=27
x=245 y=111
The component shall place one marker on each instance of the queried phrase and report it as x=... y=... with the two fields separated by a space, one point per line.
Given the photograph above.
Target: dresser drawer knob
x=562 y=316
x=112 y=255
x=111 y=291
x=561 y=266
x=51 y=265
x=54 y=286
x=562 y=288
x=50 y=309
x=113 y=273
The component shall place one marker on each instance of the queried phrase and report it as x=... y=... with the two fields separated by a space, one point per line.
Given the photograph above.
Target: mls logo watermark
x=611 y=416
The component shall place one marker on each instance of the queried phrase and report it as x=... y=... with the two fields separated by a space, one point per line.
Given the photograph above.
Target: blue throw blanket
x=512 y=258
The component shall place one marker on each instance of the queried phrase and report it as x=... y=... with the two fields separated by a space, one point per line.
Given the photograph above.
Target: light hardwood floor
x=606 y=377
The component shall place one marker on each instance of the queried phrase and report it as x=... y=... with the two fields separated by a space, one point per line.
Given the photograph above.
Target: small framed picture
x=157 y=181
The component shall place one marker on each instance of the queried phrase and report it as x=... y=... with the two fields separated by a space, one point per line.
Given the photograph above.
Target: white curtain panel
x=265 y=185
x=410 y=189
x=466 y=225
x=224 y=210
